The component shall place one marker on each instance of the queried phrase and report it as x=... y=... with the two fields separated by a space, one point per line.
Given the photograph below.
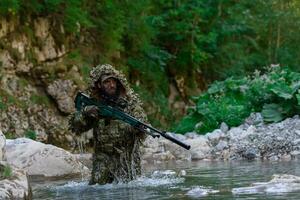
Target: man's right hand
x=91 y=111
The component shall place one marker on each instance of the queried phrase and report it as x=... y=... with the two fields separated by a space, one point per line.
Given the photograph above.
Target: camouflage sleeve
x=79 y=123
x=138 y=112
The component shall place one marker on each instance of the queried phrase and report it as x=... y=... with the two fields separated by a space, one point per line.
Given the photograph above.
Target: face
x=109 y=86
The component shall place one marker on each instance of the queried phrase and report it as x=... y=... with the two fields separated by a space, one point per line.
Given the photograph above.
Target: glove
x=91 y=111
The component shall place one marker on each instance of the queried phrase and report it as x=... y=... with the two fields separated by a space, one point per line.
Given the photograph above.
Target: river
x=190 y=180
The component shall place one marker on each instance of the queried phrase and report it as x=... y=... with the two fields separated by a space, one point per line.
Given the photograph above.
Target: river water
x=195 y=180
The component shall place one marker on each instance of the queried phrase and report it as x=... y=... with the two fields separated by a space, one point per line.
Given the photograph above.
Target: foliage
x=71 y=12
x=3 y=105
x=9 y=6
x=275 y=94
x=157 y=41
x=154 y=105
x=30 y=134
x=40 y=99
x=9 y=135
x=6 y=100
x=7 y=172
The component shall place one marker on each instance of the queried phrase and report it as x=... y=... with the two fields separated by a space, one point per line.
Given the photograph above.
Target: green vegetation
x=7 y=99
x=5 y=172
x=9 y=135
x=40 y=99
x=157 y=42
x=30 y=134
x=275 y=93
x=71 y=12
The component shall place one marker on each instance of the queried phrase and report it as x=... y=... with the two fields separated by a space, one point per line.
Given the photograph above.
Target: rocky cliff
x=38 y=79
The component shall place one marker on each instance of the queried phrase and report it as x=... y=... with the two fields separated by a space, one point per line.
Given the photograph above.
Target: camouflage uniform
x=117 y=155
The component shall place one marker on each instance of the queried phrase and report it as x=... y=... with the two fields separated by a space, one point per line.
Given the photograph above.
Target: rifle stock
x=83 y=100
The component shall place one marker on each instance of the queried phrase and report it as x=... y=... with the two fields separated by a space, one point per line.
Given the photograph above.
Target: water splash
x=71 y=185
x=156 y=179
x=200 y=191
x=80 y=142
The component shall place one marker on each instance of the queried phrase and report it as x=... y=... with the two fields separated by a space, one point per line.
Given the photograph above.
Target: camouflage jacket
x=111 y=136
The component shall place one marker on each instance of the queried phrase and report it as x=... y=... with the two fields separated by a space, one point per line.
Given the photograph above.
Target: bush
x=40 y=99
x=276 y=94
x=30 y=134
x=6 y=171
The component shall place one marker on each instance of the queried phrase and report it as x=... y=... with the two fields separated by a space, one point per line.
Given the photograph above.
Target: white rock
x=2 y=146
x=63 y=91
x=224 y=127
x=42 y=159
x=221 y=145
x=215 y=136
x=199 y=191
x=297 y=132
x=15 y=187
x=158 y=149
x=200 y=148
x=191 y=135
x=235 y=132
x=279 y=184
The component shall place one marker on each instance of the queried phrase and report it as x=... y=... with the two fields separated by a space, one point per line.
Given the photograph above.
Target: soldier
x=116 y=155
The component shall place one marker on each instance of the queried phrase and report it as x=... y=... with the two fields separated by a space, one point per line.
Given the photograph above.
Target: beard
x=113 y=96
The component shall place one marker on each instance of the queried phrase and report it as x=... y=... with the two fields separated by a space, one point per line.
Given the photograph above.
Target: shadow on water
x=208 y=180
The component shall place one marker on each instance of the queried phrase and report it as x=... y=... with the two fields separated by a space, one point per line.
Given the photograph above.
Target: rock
x=16 y=186
x=254 y=119
x=221 y=145
x=297 y=132
x=191 y=135
x=250 y=154
x=161 y=149
x=199 y=191
x=7 y=61
x=164 y=156
x=295 y=153
x=215 y=136
x=2 y=146
x=86 y=159
x=63 y=91
x=200 y=148
x=24 y=67
x=275 y=141
x=281 y=183
x=44 y=160
x=224 y=127
x=6 y=27
x=296 y=142
x=182 y=173
x=20 y=44
x=49 y=50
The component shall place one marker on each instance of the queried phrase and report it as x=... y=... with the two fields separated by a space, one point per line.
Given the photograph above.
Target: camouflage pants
x=109 y=168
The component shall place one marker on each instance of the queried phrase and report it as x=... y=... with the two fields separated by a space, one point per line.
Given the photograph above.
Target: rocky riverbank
x=252 y=140
x=23 y=157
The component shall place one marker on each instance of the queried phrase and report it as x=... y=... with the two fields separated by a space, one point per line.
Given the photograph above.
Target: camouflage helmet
x=105 y=71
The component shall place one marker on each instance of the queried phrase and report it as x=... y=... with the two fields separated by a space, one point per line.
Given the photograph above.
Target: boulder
x=42 y=159
x=161 y=149
x=200 y=148
x=14 y=185
x=63 y=92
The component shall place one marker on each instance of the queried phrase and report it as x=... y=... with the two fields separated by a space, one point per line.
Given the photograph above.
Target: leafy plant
x=9 y=7
x=7 y=172
x=30 y=134
x=275 y=94
x=40 y=99
x=9 y=135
